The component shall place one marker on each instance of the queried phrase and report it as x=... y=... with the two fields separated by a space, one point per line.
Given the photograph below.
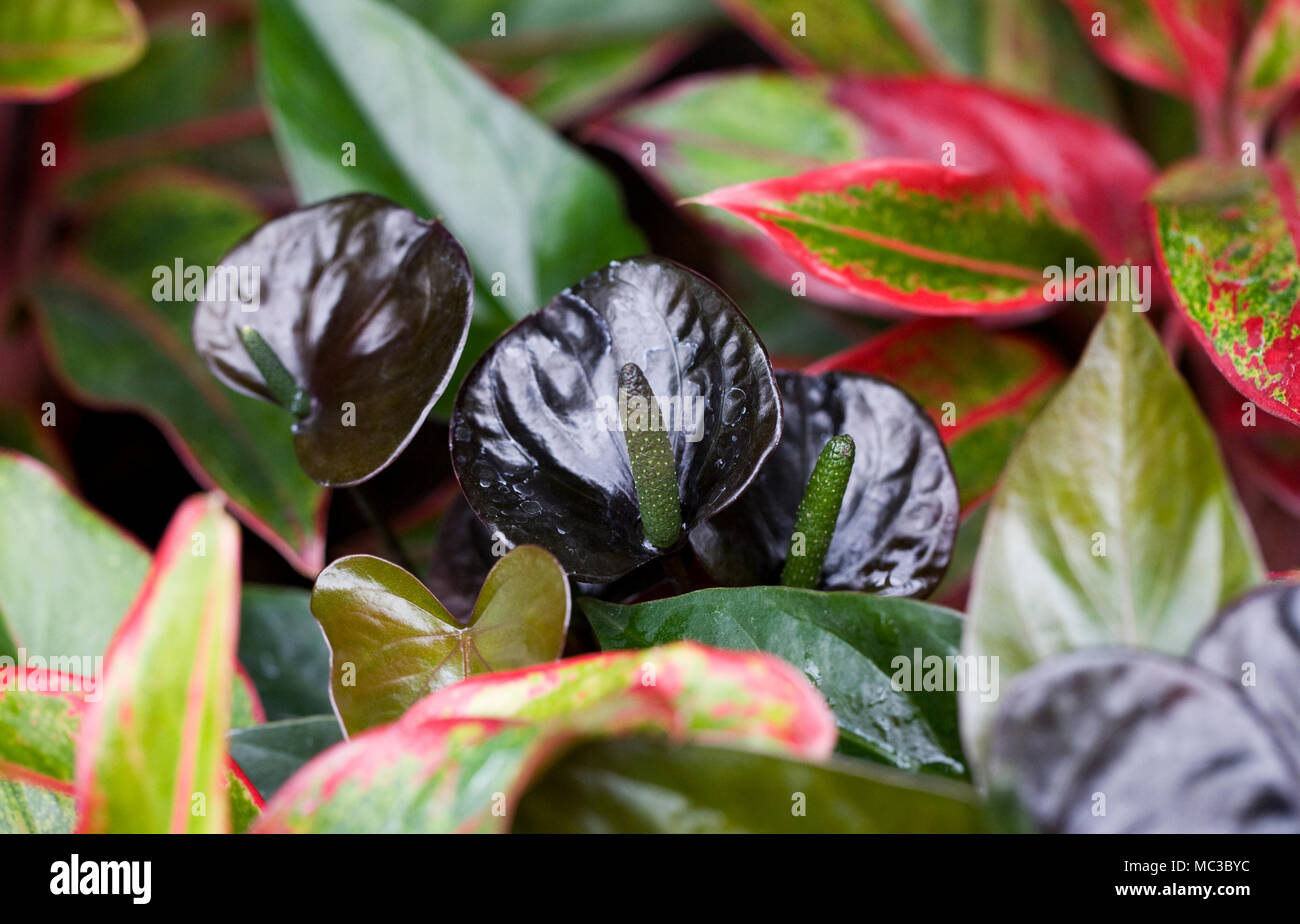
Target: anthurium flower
x=893 y=529
x=643 y=353
x=351 y=313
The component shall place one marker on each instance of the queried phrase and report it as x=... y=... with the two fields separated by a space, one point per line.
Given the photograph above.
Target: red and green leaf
x=1270 y=64
x=1227 y=240
x=981 y=388
x=460 y=759
x=117 y=345
x=40 y=715
x=152 y=754
x=932 y=239
x=48 y=49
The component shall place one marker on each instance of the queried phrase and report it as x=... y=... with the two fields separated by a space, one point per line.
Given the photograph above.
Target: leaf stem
x=654 y=468
x=279 y=382
x=814 y=524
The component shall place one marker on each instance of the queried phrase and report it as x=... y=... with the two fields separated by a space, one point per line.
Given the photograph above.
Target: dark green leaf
x=282 y=648
x=269 y=754
x=847 y=644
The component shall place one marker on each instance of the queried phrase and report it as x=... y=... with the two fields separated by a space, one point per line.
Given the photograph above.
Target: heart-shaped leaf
x=933 y=239
x=536 y=439
x=898 y=519
x=49 y=49
x=460 y=759
x=155 y=742
x=1226 y=237
x=1168 y=747
x=462 y=557
x=639 y=785
x=117 y=323
x=392 y=642
x=848 y=646
x=981 y=388
x=1254 y=644
x=366 y=306
x=1114 y=522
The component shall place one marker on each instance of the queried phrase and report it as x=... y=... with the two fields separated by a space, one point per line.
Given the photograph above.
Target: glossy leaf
x=281 y=647
x=929 y=238
x=898 y=517
x=522 y=202
x=67 y=576
x=116 y=344
x=535 y=433
x=1114 y=522
x=269 y=754
x=1170 y=748
x=392 y=642
x=981 y=388
x=462 y=558
x=730 y=128
x=366 y=305
x=460 y=759
x=1254 y=644
x=846 y=645
x=1179 y=46
x=1269 y=69
x=156 y=739
x=50 y=48
x=1227 y=245
x=638 y=785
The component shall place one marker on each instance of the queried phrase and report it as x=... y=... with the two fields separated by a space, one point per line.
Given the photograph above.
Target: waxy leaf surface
x=1227 y=238
x=156 y=739
x=460 y=759
x=899 y=514
x=392 y=642
x=845 y=644
x=1114 y=522
x=117 y=322
x=933 y=239
x=50 y=48
x=638 y=785
x=366 y=305
x=1171 y=748
x=536 y=439
x=981 y=388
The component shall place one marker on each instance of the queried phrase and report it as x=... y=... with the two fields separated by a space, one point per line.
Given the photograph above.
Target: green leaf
x=1269 y=69
x=1227 y=241
x=152 y=751
x=639 y=785
x=392 y=642
x=117 y=343
x=67 y=576
x=40 y=715
x=50 y=48
x=981 y=388
x=847 y=644
x=460 y=758
x=269 y=754
x=1114 y=523
x=26 y=809
x=281 y=647
x=523 y=202
x=933 y=239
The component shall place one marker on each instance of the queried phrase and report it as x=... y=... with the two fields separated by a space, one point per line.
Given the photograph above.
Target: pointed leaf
x=365 y=304
x=1114 y=522
x=929 y=238
x=48 y=49
x=155 y=743
x=845 y=643
x=638 y=785
x=981 y=389
x=116 y=320
x=898 y=518
x=392 y=642
x=536 y=439
x=1227 y=245
x=1269 y=69
x=460 y=759
x=1172 y=749
x=46 y=536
